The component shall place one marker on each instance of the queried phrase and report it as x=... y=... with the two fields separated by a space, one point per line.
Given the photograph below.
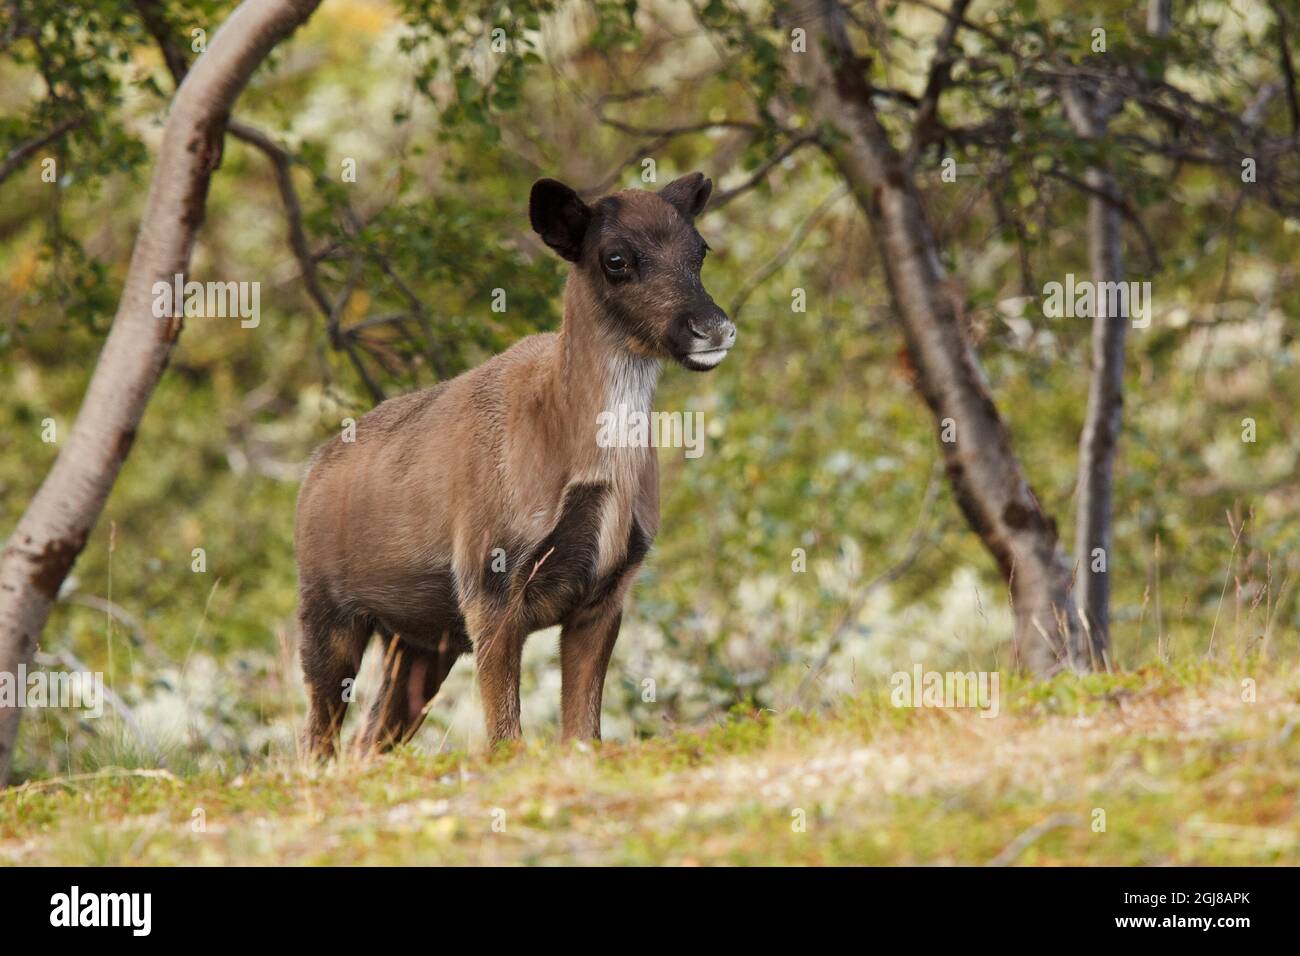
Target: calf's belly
x=420 y=605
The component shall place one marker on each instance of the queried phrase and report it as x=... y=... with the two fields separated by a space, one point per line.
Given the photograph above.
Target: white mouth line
x=710 y=357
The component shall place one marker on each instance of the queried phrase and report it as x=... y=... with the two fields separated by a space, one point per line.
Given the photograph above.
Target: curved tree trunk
x=55 y=526
x=986 y=478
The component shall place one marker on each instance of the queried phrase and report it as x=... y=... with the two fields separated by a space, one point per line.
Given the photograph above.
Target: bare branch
x=1288 y=68
x=1121 y=206
x=660 y=137
x=783 y=255
x=923 y=130
x=104 y=606
x=684 y=130
x=22 y=152
x=282 y=163
x=1001 y=43
x=762 y=172
x=154 y=17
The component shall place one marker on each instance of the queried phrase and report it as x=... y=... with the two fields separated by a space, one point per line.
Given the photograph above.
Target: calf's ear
x=559 y=216
x=689 y=194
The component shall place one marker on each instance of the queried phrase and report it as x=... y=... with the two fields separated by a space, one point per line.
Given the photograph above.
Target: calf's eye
x=615 y=263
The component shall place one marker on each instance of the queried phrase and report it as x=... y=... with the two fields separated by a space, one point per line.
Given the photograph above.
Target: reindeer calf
x=465 y=516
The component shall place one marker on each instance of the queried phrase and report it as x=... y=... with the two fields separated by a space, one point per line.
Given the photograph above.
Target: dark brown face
x=639 y=255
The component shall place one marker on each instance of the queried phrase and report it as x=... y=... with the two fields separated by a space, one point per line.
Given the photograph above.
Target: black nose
x=713 y=326
x=705 y=330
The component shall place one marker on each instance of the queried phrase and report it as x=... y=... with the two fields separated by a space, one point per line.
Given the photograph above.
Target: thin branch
x=154 y=17
x=349 y=343
x=115 y=611
x=1224 y=284
x=684 y=130
x=416 y=304
x=762 y=172
x=1119 y=204
x=660 y=137
x=899 y=96
x=783 y=255
x=282 y=163
x=22 y=152
x=1001 y=43
x=940 y=73
x=1231 y=242
x=608 y=181
x=151 y=773
x=1288 y=68
x=1004 y=220
x=370 y=322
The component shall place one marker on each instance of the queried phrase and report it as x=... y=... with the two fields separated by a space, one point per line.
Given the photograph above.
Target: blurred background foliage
x=817 y=440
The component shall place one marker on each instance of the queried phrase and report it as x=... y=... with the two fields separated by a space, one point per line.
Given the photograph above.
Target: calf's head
x=639 y=256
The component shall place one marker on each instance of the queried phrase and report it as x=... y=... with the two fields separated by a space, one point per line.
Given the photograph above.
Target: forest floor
x=1160 y=766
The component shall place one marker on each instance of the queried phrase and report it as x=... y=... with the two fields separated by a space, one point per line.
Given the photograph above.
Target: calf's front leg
x=586 y=643
x=498 y=649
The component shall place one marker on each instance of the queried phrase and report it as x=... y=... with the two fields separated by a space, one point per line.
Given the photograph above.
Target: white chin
x=707 y=359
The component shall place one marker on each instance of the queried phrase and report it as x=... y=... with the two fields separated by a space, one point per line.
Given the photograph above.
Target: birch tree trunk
x=1099 y=441
x=1090 y=114
x=982 y=468
x=53 y=530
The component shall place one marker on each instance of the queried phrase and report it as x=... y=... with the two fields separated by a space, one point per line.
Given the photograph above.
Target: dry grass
x=1184 y=770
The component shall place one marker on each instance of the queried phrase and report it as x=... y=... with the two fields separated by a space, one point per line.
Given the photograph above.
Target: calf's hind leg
x=331 y=655
x=412 y=676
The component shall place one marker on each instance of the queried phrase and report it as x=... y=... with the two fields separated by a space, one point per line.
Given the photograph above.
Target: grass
x=1162 y=766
